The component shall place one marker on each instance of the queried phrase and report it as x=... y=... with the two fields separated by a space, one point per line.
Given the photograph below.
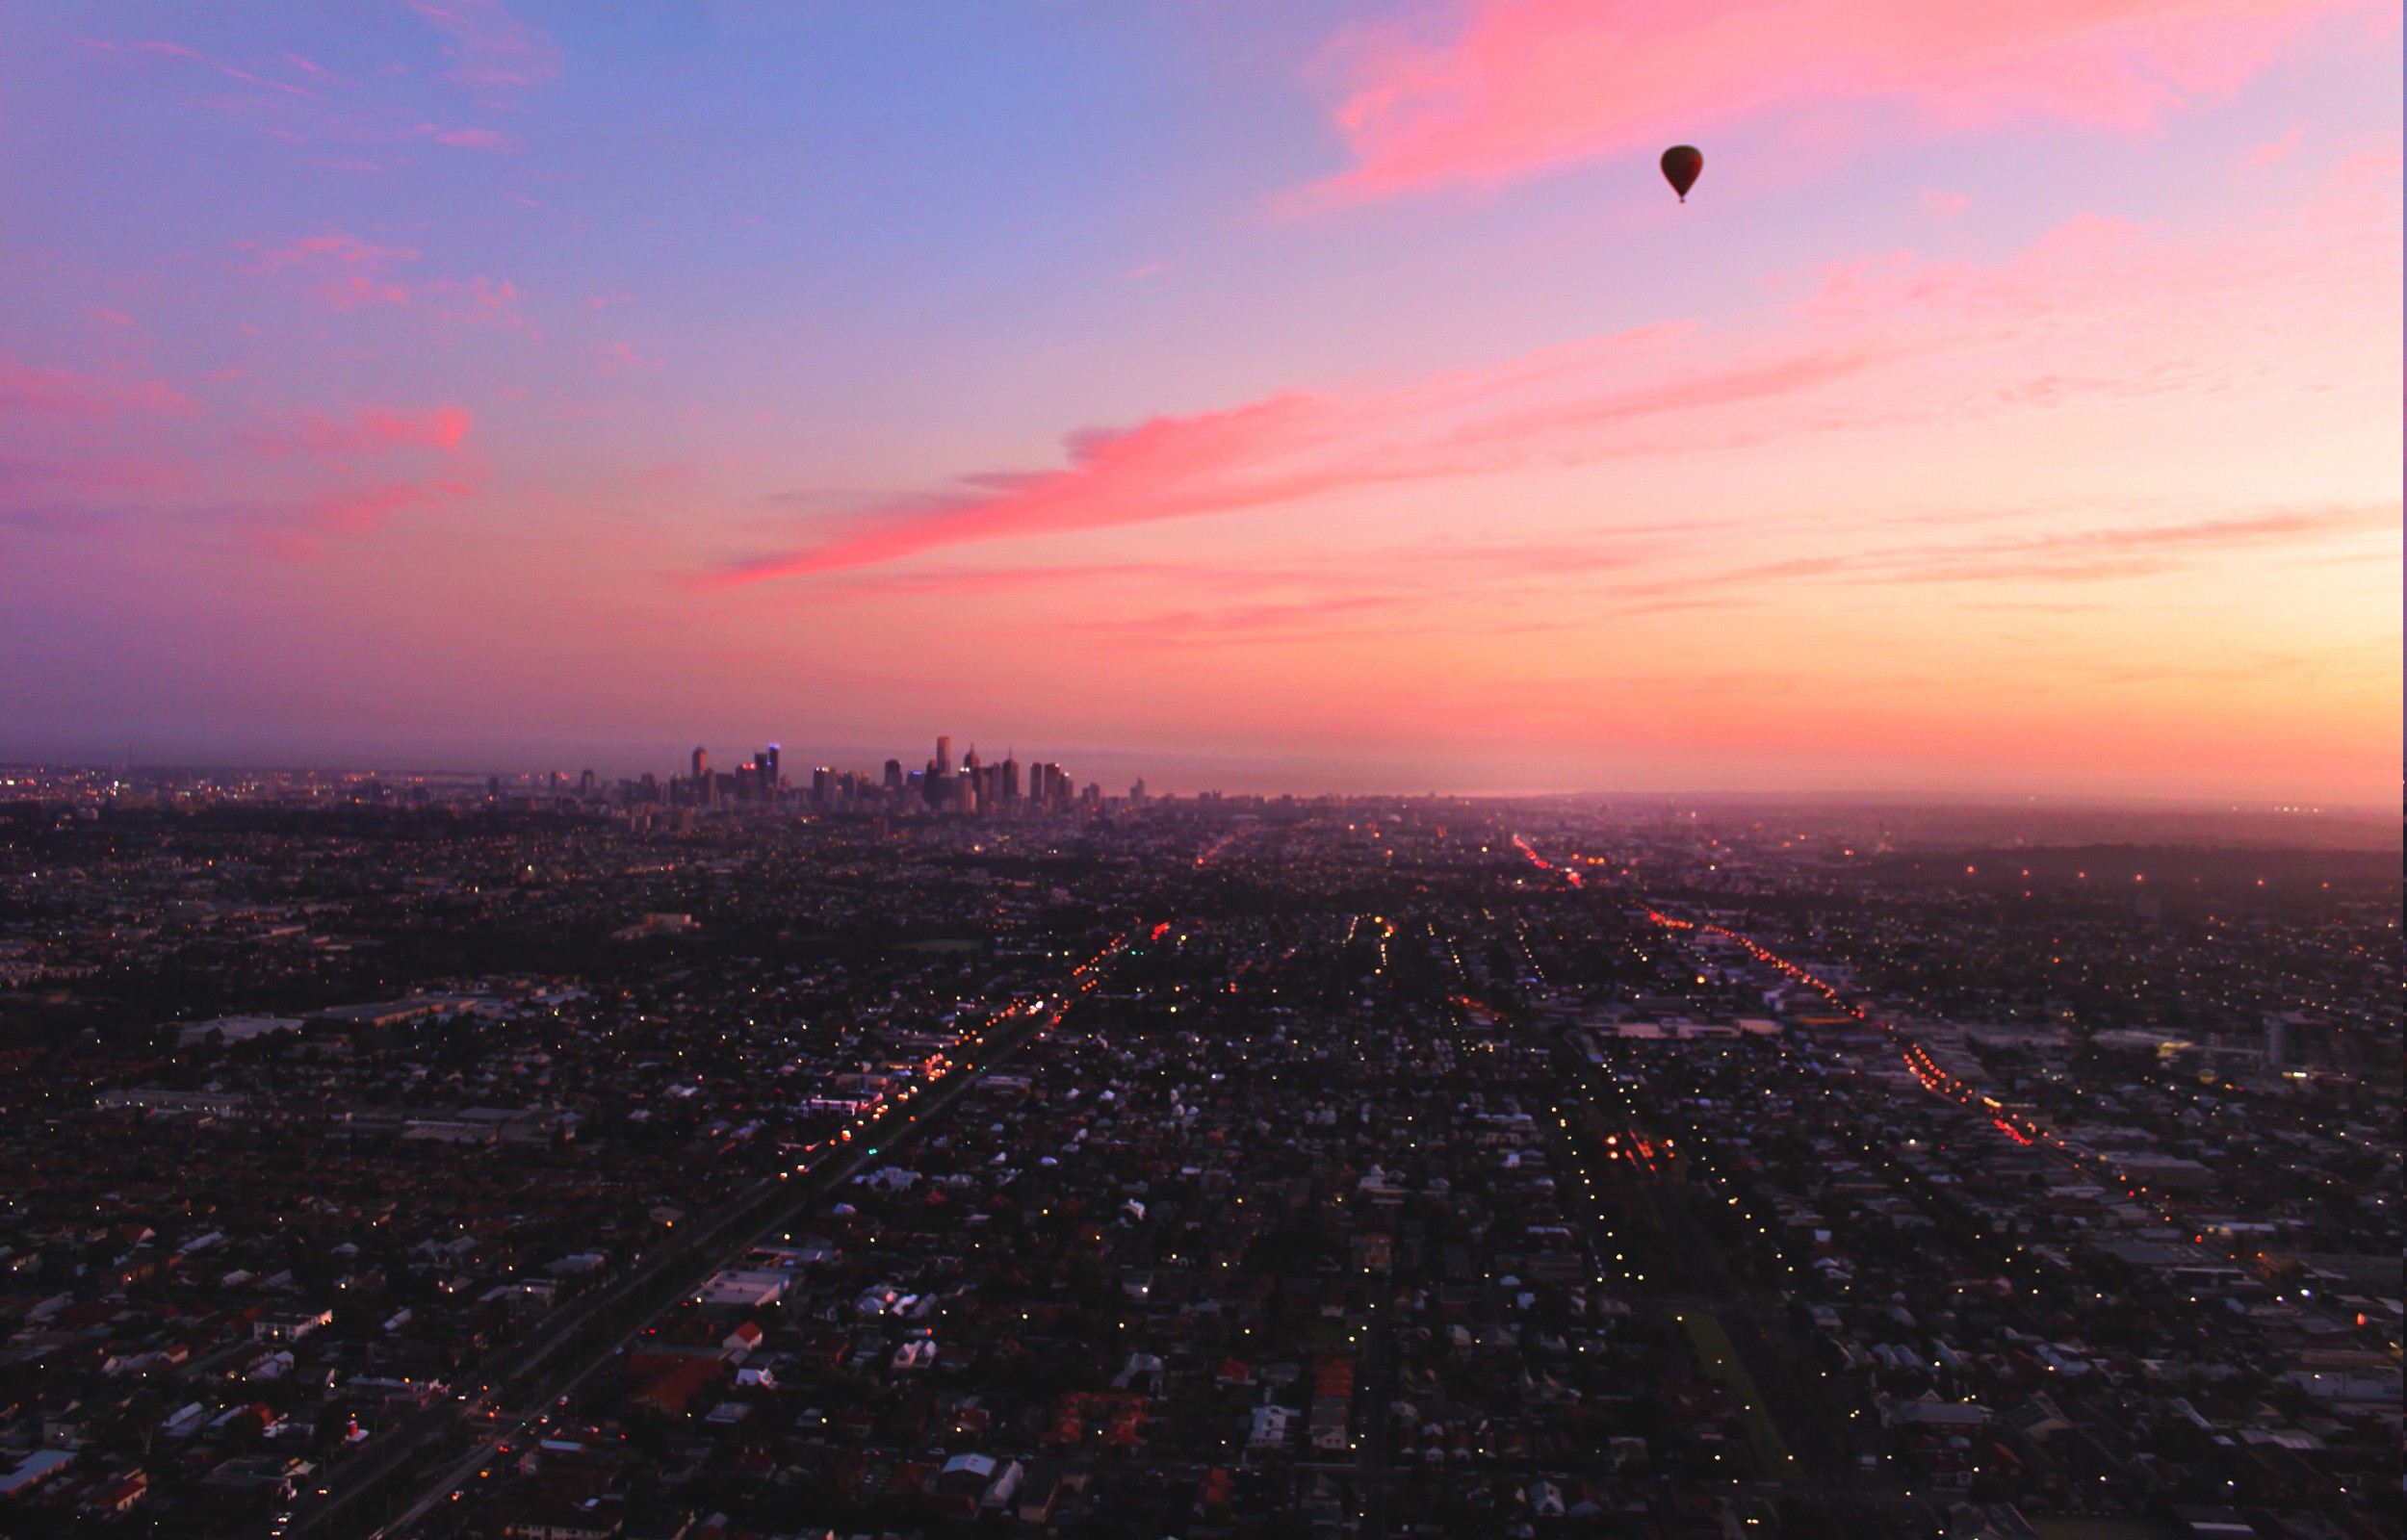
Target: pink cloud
x=2086 y=555
x=1944 y=205
x=493 y=53
x=349 y=273
x=342 y=270
x=1421 y=587
x=119 y=472
x=34 y=391
x=305 y=533
x=363 y=512
x=1872 y=345
x=620 y=358
x=1165 y=469
x=1240 y=623
x=180 y=51
x=1522 y=86
x=483 y=301
x=671 y=475
x=2280 y=149
x=441 y=427
x=1293 y=446
x=371 y=429
x=469 y=139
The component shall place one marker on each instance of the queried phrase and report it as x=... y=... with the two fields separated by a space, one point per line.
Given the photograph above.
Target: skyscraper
x=701 y=764
x=939 y=786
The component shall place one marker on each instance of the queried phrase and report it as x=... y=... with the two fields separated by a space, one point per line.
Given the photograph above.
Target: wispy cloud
x=1168 y=468
x=621 y=358
x=2123 y=551
x=1511 y=88
x=39 y=391
x=369 y=430
x=303 y=526
x=1245 y=622
x=493 y=53
x=469 y=139
x=1827 y=361
x=342 y=270
x=2280 y=149
x=349 y=273
x=177 y=50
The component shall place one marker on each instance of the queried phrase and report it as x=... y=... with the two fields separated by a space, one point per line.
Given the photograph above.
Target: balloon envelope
x=1680 y=164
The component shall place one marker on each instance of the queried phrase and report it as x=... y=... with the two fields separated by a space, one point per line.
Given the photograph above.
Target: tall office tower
x=1136 y=793
x=768 y=762
x=701 y=765
x=1048 y=785
x=939 y=784
x=893 y=775
x=587 y=784
x=1009 y=780
x=969 y=762
x=823 y=787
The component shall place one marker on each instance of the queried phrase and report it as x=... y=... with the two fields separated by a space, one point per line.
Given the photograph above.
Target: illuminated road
x=709 y=1248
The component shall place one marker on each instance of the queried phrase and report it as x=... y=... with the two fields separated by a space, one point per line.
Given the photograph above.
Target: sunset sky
x=1299 y=396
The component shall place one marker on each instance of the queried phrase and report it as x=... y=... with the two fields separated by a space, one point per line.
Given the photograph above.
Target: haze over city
x=1313 y=398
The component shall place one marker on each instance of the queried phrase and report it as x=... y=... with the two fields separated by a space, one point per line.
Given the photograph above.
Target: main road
x=766 y=1207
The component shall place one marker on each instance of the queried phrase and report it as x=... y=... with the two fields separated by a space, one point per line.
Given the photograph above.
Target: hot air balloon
x=1680 y=164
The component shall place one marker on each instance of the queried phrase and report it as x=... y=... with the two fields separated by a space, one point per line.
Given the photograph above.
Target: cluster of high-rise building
x=756 y=783
x=943 y=785
x=974 y=786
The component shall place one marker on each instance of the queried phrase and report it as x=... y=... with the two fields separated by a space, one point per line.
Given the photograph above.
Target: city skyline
x=1334 y=397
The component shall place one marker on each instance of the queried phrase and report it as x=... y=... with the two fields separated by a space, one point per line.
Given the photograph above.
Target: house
x=1270 y=1427
x=745 y=1288
x=120 y=1493
x=562 y=1521
x=1039 y=1495
x=290 y=1325
x=34 y=1469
